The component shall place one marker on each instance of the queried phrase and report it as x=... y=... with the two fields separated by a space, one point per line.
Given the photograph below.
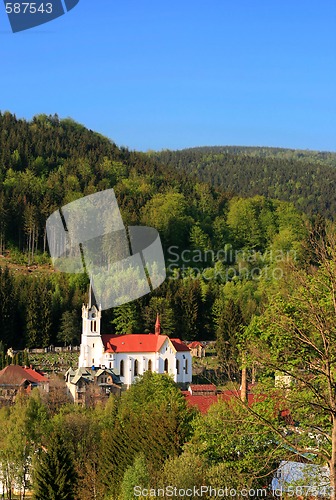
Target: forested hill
x=215 y=244
x=306 y=178
x=47 y=162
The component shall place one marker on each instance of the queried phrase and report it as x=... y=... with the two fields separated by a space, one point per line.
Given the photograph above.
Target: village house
x=203 y=389
x=203 y=396
x=197 y=349
x=16 y=379
x=87 y=386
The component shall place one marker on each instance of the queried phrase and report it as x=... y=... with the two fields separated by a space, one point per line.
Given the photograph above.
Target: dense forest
x=257 y=274
x=219 y=248
x=305 y=178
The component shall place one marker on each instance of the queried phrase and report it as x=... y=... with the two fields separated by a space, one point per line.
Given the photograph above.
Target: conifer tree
x=54 y=473
x=7 y=307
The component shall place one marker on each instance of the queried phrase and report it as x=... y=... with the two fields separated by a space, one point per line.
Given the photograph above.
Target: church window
x=150 y=365
x=121 y=368
x=166 y=365
x=186 y=366
x=177 y=367
x=135 y=367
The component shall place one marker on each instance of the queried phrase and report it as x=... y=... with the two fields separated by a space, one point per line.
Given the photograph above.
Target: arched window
x=150 y=365
x=93 y=326
x=166 y=365
x=177 y=366
x=135 y=367
x=186 y=366
x=121 y=370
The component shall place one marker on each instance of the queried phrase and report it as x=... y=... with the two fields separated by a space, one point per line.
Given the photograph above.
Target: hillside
x=305 y=178
x=47 y=162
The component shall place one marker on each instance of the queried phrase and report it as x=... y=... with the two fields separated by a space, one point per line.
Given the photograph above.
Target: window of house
x=121 y=370
x=178 y=366
x=135 y=367
x=186 y=366
x=166 y=365
x=150 y=365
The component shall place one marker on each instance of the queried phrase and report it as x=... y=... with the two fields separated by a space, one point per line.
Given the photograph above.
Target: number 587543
x=28 y=8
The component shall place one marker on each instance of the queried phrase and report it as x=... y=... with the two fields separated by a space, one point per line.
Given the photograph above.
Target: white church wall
x=92 y=353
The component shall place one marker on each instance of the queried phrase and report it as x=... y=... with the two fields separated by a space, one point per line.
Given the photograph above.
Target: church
x=130 y=355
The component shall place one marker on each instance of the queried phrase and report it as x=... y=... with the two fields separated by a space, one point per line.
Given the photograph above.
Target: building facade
x=87 y=386
x=129 y=356
x=15 y=379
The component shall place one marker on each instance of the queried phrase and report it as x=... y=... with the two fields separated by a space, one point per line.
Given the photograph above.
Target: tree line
x=305 y=178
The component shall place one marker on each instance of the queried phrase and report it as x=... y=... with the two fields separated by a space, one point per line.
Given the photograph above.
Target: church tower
x=92 y=348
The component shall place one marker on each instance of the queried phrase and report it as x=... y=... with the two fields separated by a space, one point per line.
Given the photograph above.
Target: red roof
x=203 y=388
x=139 y=342
x=194 y=344
x=203 y=403
x=17 y=375
x=35 y=374
x=179 y=345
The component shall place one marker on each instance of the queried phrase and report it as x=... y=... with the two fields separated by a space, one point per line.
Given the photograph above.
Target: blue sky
x=174 y=74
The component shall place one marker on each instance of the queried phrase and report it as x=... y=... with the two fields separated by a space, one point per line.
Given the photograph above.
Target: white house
x=85 y=385
x=301 y=479
x=133 y=354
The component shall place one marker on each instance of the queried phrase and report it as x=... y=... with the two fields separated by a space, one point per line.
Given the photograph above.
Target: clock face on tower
x=93 y=315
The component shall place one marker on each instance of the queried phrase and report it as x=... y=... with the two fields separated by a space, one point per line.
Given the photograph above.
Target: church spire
x=92 y=298
x=157 y=325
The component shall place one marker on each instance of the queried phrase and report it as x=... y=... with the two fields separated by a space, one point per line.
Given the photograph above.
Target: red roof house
x=15 y=378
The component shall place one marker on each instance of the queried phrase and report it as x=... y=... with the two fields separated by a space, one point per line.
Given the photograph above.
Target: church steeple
x=92 y=298
x=157 y=325
x=91 y=314
x=91 y=342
